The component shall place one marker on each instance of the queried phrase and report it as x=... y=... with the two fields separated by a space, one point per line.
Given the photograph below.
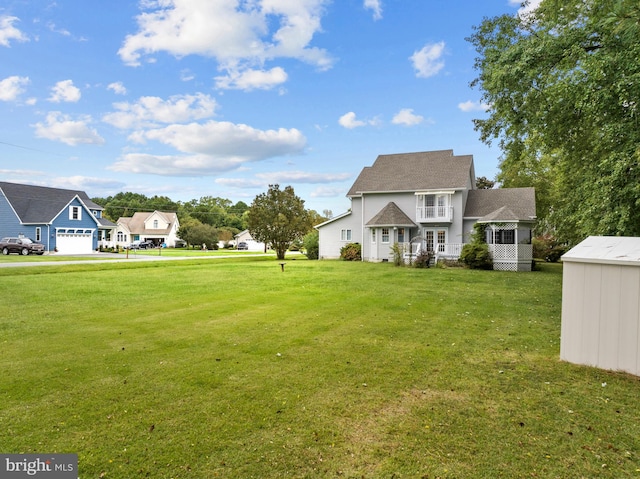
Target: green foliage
x=398 y=254
x=351 y=252
x=423 y=259
x=311 y=244
x=564 y=94
x=278 y=218
x=475 y=254
x=196 y=233
x=126 y=204
x=483 y=183
x=548 y=248
x=479 y=234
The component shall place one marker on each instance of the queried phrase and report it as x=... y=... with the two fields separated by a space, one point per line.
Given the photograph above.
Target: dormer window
x=75 y=213
x=155 y=224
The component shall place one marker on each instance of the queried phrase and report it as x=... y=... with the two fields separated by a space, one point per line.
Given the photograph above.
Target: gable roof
x=391 y=215
x=425 y=170
x=136 y=223
x=41 y=204
x=504 y=204
x=335 y=218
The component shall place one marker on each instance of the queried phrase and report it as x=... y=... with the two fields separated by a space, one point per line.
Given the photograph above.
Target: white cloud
x=117 y=88
x=239 y=35
x=375 y=6
x=302 y=177
x=59 y=127
x=324 y=192
x=209 y=148
x=428 y=60
x=252 y=79
x=12 y=87
x=8 y=32
x=150 y=111
x=348 y=120
x=65 y=91
x=240 y=182
x=85 y=183
x=525 y=11
x=407 y=117
x=469 y=105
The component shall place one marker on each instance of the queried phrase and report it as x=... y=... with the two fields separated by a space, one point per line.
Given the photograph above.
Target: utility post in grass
x=278 y=218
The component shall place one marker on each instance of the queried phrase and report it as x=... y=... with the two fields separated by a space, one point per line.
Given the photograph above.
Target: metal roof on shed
x=606 y=250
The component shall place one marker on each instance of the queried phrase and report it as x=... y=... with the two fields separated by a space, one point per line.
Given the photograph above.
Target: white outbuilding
x=601 y=304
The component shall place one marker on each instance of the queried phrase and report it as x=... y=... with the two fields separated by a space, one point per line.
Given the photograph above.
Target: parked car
x=139 y=244
x=23 y=246
x=242 y=245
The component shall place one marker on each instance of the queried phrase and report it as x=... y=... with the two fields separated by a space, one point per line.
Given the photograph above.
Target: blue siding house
x=66 y=221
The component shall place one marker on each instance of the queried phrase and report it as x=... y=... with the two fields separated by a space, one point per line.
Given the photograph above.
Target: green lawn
x=235 y=369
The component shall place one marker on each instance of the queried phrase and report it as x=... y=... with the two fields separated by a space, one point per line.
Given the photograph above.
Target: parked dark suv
x=23 y=246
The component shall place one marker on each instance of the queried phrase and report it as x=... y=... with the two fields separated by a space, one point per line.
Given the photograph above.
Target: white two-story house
x=428 y=200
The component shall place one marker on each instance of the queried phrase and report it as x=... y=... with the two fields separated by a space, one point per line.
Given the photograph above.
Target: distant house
x=252 y=245
x=429 y=201
x=63 y=220
x=159 y=227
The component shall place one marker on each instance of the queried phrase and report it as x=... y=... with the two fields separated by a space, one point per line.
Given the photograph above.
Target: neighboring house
x=253 y=245
x=66 y=221
x=428 y=201
x=159 y=227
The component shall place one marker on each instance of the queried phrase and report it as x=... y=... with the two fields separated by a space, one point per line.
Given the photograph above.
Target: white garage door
x=74 y=241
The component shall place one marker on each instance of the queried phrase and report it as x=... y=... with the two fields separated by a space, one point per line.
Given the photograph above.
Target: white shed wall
x=601 y=315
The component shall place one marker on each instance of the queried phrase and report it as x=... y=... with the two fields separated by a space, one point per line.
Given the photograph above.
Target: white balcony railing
x=427 y=214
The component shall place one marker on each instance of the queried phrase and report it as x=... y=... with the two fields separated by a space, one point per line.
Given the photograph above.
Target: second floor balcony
x=434 y=214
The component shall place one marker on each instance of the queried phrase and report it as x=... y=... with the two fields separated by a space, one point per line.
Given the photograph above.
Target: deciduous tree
x=278 y=217
x=563 y=86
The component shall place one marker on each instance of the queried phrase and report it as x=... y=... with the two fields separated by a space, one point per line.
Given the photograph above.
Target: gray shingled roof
x=41 y=204
x=504 y=204
x=391 y=215
x=135 y=223
x=425 y=170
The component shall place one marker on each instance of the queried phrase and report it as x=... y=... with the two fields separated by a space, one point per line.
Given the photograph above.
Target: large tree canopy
x=563 y=89
x=278 y=217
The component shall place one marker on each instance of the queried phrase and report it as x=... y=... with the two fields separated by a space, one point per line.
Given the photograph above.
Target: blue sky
x=192 y=98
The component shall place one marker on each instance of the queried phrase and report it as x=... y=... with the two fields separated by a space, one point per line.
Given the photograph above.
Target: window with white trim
x=345 y=235
x=373 y=235
x=75 y=213
x=38 y=237
x=155 y=224
x=385 y=235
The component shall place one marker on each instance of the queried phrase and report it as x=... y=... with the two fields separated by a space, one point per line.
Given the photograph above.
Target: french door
x=435 y=239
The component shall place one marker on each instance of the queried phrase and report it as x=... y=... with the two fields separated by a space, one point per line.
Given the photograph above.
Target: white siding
x=330 y=238
x=601 y=306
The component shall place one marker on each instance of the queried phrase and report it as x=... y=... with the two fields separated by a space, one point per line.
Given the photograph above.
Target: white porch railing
x=426 y=214
x=444 y=250
x=509 y=257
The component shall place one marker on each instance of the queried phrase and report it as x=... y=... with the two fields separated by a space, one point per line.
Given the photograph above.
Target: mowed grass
x=232 y=368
